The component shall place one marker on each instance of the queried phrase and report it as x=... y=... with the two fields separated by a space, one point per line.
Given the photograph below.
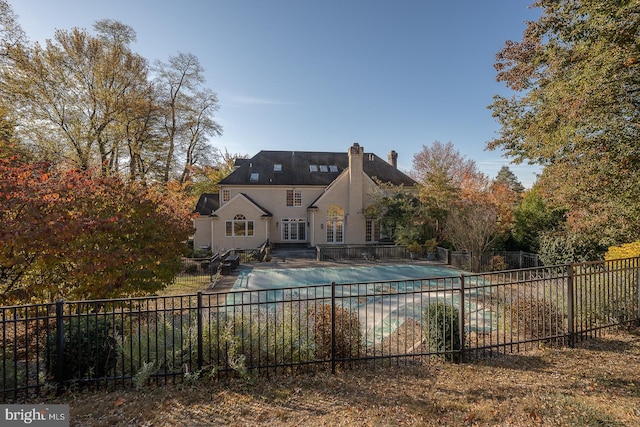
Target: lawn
x=595 y=384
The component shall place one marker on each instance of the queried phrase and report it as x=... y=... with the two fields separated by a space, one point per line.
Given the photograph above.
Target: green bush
x=90 y=348
x=273 y=336
x=156 y=344
x=442 y=329
x=566 y=247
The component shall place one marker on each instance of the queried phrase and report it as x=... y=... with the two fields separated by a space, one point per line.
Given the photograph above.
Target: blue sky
x=320 y=75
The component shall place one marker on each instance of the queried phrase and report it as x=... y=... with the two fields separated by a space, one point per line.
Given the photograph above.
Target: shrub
x=498 y=263
x=626 y=250
x=562 y=248
x=276 y=335
x=442 y=331
x=156 y=344
x=535 y=318
x=348 y=333
x=90 y=349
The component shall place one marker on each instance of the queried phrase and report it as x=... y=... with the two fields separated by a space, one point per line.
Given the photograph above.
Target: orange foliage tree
x=68 y=234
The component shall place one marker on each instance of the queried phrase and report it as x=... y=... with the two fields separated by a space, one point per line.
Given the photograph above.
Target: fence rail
x=137 y=341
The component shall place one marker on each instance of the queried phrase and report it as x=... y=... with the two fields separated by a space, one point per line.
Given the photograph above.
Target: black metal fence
x=134 y=342
x=490 y=261
x=360 y=252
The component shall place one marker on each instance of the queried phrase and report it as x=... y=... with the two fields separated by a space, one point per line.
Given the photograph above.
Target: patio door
x=335 y=225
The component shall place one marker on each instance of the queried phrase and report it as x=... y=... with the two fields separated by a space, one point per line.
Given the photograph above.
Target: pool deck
x=304 y=258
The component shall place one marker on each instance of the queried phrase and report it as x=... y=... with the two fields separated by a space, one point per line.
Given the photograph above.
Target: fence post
x=199 y=326
x=59 y=374
x=570 y=305
x=461 y=319
x=333 y=327
x=636 y=261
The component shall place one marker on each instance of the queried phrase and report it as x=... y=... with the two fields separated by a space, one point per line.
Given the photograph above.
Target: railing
x=138 y=341
x=360 y=252
x=490 y=261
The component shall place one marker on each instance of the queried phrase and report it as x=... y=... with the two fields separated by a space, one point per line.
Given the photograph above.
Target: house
x=303 y=197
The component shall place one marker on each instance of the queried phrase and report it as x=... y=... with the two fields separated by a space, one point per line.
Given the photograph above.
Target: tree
x=11 y=34
x=576 y=75
x=187 y=112
x=508 y=178
x=532 y=218
x=70 y=234
x=445 y=178
x=471 y=226
x=399 y=213
x=205 y=179
x=72 y=96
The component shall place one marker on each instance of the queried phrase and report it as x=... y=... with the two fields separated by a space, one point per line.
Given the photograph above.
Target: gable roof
x=207 y=203
x=295 y=169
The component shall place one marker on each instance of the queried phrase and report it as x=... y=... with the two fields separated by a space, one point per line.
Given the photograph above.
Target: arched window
x=239 y=227
x=372 y=224
x=335 y=224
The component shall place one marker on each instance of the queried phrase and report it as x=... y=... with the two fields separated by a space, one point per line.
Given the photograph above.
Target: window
x=335 y=224
x=226 y=195
x=333 y=168
x=239 y=227
x=277 y=167
x=372 y=231
x=324 y=168
x=293 y=229
x=294 y=198
x=254 y=177
x=313 y=168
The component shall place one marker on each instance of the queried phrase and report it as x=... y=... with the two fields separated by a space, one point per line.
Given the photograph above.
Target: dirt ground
x=597 y=383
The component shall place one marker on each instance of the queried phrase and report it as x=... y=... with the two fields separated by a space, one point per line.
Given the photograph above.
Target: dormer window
x=333 y=168
x=277 y=167
x=313 y=168
x=254 y=177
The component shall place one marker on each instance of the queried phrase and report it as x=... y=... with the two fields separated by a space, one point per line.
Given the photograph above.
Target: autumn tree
x=188 y=108
x=576 y=78
x=72 y=94
x=445 y=177
x=87 y=101
x=205 y=179
x=74 y=235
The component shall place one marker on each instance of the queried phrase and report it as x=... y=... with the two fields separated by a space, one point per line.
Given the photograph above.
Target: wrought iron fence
x=490 y=261
x=359 y=252
x=138 y=341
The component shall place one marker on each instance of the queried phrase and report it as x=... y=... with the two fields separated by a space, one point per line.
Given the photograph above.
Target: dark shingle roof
x=207 y=203
x=295 y=169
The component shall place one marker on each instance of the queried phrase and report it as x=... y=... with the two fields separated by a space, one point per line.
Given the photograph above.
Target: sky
x=320 y=75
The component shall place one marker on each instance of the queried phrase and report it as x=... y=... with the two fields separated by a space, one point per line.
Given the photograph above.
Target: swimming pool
x=277 y=278
x=384 y=296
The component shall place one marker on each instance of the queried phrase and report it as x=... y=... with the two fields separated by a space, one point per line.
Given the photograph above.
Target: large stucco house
x=302 y=197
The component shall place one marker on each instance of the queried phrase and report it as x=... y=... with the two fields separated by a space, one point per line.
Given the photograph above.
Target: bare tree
x=472 y=227
x=188 y=110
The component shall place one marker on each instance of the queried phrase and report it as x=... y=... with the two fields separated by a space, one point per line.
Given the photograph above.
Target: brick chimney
x=393 y=159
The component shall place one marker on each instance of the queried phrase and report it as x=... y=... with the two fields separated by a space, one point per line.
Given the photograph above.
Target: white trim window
x=293 y=229
x=335 y=225
x=226 y=195
x=294 y=198
x=372 y=231
x=238 y=227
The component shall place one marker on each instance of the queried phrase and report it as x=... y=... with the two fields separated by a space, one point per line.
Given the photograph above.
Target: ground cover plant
x=594 y=384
